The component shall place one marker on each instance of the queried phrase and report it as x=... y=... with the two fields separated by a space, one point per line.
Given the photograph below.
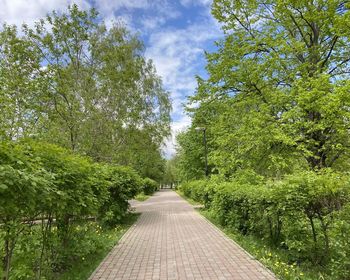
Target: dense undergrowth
x=299 y=226
x=55 y=207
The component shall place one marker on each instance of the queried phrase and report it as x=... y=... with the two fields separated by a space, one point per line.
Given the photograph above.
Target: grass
x=142 y=197
x=82 y=269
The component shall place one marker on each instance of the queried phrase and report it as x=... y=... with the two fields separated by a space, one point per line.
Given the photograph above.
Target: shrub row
x=307 y=214
x=47 y=189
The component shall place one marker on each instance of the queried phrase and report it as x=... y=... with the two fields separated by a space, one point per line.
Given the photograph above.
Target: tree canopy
x=277 y=96
x=72 y=81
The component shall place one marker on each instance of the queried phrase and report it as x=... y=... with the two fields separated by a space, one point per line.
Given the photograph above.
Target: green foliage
x=25 y=187
x=72 y=178
x=276 y=112
x=47 y=192
x=97 y=93
x=171 y=173
x=142 y=197
x=340 y=240
x=23 y=179
x=311 y=201
x=194 y=189
x=149 y=186
x=202 y=191
x=143 y=154
x=284 y=85
x=20 y=74
x=305 y=214
x=190 y=153
x=275 y=98
x=122 y=184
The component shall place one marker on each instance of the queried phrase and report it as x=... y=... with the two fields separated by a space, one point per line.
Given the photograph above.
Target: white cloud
x=110 y=11
x=150 y=23
x=162 y=11
x=178 y=56
x=188 y=3
x=28 y=11
x=155 y=13
x=107 y=6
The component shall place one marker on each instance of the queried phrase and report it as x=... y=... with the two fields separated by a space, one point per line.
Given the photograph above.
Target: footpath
x=172 y=241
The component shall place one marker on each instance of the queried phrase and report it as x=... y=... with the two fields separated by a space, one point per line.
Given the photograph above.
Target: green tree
x=22 y=86
x=281 y=77
x=171 y=173
x=73 y=82
x=190 y=153
x=131 y=102
x=141 y=152
x=102 y=89
x=63 y=41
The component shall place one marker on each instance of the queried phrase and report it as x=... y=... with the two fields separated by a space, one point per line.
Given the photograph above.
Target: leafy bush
x=45 y=191
x=194 y=190
x=149 y=186
x=123 y=183
x=24 y=189
x=309 y=202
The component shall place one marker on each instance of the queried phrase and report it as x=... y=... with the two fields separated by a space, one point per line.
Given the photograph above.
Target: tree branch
x=334 y=41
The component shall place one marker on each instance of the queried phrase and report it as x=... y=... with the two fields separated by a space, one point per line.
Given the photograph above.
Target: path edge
x=230 y=239
x=124 y=236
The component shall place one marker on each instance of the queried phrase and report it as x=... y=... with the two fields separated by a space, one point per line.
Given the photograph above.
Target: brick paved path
x=171 y=240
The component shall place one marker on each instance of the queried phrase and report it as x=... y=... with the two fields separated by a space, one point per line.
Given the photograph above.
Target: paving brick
x=172 y=241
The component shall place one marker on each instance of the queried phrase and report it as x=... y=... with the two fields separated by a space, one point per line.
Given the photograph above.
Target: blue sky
x=175 y=34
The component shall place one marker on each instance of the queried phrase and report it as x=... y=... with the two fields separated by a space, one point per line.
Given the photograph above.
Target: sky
x=175 y=33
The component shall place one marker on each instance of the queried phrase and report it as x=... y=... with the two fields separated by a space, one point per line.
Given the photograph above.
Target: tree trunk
x=9 y=246
x=314 y=235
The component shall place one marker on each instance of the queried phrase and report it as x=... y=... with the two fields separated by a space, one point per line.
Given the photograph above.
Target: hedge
x=48 y=190
x=307 y=214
